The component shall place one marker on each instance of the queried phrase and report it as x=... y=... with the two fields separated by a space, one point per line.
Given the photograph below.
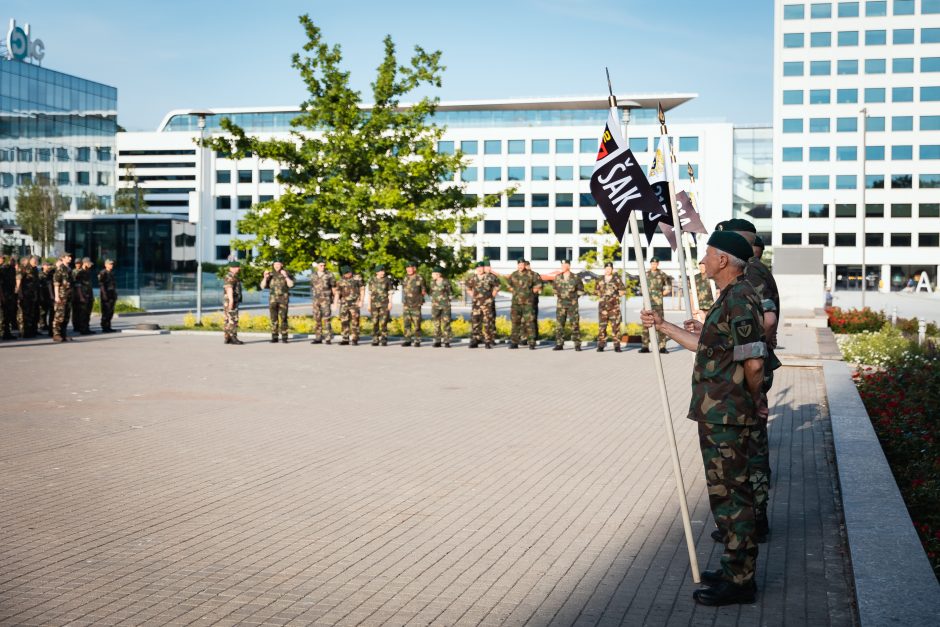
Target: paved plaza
x=170 y=479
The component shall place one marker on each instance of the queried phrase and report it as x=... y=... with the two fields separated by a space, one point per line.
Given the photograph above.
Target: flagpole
x=692 y=196
x=664 y=132
x=661 y=379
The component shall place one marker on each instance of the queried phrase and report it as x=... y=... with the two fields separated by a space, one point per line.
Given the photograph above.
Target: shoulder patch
x=744 y=330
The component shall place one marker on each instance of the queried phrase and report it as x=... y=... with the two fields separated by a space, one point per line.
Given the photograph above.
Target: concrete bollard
x=894 y=317
x=921 y=332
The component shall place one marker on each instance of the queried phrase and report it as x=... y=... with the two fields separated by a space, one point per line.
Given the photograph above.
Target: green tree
x=38 y=207
x=363 y=186
x=130 y=199
x=89 y=201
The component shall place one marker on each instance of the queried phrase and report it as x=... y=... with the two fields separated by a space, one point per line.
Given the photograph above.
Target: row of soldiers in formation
x=348 y=291
x=39 y=297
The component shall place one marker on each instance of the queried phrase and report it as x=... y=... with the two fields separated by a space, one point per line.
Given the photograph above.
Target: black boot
x=558 y=347
x=645 y=349
x=513 y=345
x=274 y=339
x=616 y=348
x=284 y=338
x=436 y=344
x=726 y=593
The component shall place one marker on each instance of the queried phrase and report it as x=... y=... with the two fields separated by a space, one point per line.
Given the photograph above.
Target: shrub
x=855 y=320
x=910 y=327
x=122 y=306
x=875 y=349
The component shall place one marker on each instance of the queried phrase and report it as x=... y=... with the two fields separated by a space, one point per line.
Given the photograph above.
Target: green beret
x=107 y=261
x=654 y=259
x=380 y=267
x=345 y=269
x=411 y=264
x=320 y=260
x=731 y=243
x=567 y=261
x=737 y=224
x=609 y=264
x=438 y=269
x=480 y=264
x=486 y=261
x=520 y=260
x=234 y=264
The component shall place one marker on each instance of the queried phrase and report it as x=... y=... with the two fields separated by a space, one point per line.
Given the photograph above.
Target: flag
x=689 y=219
x=659 y=176
x=618 y=183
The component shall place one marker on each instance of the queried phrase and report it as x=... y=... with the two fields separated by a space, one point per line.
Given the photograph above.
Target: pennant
x=659 y=176
x=689 y=219
x=619 y=185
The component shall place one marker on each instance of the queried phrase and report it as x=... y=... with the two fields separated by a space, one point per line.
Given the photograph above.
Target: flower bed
x=855 y=320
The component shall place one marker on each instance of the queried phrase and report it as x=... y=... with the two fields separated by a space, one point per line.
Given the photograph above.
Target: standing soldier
x=523 y=288
x=350 y=290
x=568 y=288
x=62 y=298
x=609 y=290
x=107 y=294
x=704 y=290
x=279 y=283
x=476 y=288
x=660 y=285
x=46 y=298
x=28 y=291
x=440 y=307
x=322 y=294
x=537 y=278
x=413 y=292
x=8 y=296
x=727 y=403
x=493 y=285
x=380 y=305
x=87 y=295
x=231 y=299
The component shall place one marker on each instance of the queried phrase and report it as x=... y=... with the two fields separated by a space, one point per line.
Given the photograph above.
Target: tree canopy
x=38 y=207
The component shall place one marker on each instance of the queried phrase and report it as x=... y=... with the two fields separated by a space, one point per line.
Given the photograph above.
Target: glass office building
x=753 y=175
x=57 y=130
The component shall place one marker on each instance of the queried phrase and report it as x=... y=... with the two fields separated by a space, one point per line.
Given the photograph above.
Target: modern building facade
x=546 y=148
x=856 y=135
x=55 y=129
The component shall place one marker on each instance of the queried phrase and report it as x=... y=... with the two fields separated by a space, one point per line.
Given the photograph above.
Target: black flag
x=619 y=185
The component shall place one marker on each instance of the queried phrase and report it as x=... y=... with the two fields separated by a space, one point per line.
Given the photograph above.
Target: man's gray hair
x=736 y=262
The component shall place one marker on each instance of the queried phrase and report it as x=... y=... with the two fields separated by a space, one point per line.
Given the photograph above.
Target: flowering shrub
x=880 y=348
x=855 y=320
x=903 y=401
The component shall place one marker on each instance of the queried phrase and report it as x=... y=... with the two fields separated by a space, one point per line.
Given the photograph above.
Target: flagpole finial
x=690 y=170
x=611 y=99
x=662 y=114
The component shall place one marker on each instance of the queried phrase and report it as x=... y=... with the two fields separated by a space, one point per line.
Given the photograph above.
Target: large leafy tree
x=38 y=207
x=364 y=185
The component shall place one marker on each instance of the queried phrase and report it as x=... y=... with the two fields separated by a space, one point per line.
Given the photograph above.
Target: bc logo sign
x=19 y=46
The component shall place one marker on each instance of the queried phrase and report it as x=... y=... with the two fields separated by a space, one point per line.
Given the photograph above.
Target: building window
x=820 y=68
x=244 y=202
x=793 y=125
x=901 y=210
x=515 y=173
x=928 y=239
x=902 y=123
x=492 y=253
x=792 y=154
x=562 y=253
x=539 y=173
x=540 y=200
x=445 y=147
x=845 y=239
x=848 y=9
x=793 y=11
x=266 y=176
x=876 y=37
x=875 y=124
x=930 y=35
x=223 y=202
x=539 y=146
x=244 y=176
x=586 y=200
x=819 y=96
x=818 y=239
x=493 y=147
x=793 y=68
x=875 y=153
x=846 y=153
x=103 y=153
x=903 y=94
x=874 y=210
x=875 y=239
x=62 y=154
x=817 y=210
x=847 y=66
x=846 y=96
x=901 y=240
x=62 y=178
x=874 y=94
x=83 y=154
x=792 y=211
x=904 y=7
x=793 y=40
x=844 y=210
x=820 y=10
x=930 y=6
x=846 y=181
x=819 y=125
x=539 y=227
x=688 y=144
x=104 y=178
x=930 y=152
x=929 y=94
x=902 y=153
x=902 y=65
x=269 y=197
x=847 y=38
x=846 y=125
x=492 y=174
x=820 y=40
x=930 y=122
x=902 y=36
x=468 y=175
x=585 y=171
x=516 y=200
x=639 y=144
x=792 y=96
x=876 y=8
x=515 y=227
x=223 y=227
x=540 y=253
x=223 y=176
x=516 y=146
x=469 y=147
x=564 y=227
x=929 y=181
x=583 y=252
x=222 y=252
x=564 y=173
x=82 y=178
x=819 y=153
x=793 y=182
x=875 y=66
x=930 y=64
x=684 y=172
x=564 y=146
x=791 y=239
x=492 y=226
x=874 y=181
x=25 y=178
x=587 y=227
x=587 y=146
x=819 y=181
x=565 y=199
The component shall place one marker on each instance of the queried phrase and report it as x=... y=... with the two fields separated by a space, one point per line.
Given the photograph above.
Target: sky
x=173 y=54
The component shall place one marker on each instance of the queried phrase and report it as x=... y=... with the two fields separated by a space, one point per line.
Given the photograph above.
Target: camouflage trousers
x=107 y=313
x=28 y=317
x=482 y=322
x=60 y=318
x=535 y=316
x=322 y=314
x=81 y=316
x=411 y=323
x=8 y=315
x=440 y=320
x=278 y=313
x=758 y=465
x=523 y=324
x=725 y=456
x=230 y=326
x=349 y=320
x=608 y=313
x=379 y=313
x=46 y=310
x=645 y=336
x=564 y=313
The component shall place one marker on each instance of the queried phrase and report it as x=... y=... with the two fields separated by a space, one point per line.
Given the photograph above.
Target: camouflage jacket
x=658 y=281
x=278 y=291
x=440 y=294
x=79 y=280
x=477 y=286
x=7 y=279
x=704 y=291
x=349 y=289
x=321 y=287
x=733 y=332
x=491 y=282
x=380 y=290
x=62 y=279
x=568 y=289
x=612 y=290
x=107 y=287
x=413 y=290
x=521 y=284
x=45 y=285
x=761 y=279
x=29 y=284
x=236 y=285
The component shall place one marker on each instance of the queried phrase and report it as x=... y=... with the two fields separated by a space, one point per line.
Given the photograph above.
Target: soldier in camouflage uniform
x=609 y=289
x=8 y=296
x=493 y=285
x=46 y=299
x=380 y=305
x=322 y=294
x=704 y=290
x=350 y=290
x=86 y=298
x=62 y=298
x=28 y=291
x=413 y=292
x=475 y=285
x=232 y=297
x=660 y=284
x=523 y=287
x=279 y=282
x=728 y=403
x=537 y=278
x=440 y=307
x=568 y=289
x=107 y=294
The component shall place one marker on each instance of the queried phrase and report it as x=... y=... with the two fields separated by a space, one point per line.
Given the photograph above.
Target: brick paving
x=175 y=480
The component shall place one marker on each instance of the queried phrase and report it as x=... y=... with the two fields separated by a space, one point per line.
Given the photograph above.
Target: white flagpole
x=664 y=132
x=661 y=379
x=692 y=198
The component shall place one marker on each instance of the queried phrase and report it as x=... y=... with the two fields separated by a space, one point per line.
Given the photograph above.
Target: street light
x=864 y=184
x=201 y=114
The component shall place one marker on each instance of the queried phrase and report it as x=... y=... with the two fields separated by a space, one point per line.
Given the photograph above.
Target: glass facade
x=753 y=176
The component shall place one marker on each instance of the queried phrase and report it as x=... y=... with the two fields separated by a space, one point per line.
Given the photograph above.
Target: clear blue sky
x=166 y=54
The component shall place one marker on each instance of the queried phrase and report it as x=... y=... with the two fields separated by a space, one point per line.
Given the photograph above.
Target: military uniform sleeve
x=747 y=328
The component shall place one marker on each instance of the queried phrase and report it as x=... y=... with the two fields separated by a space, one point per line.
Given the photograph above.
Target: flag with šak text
x=660 y=175
x=619 y=185
x=689 y=219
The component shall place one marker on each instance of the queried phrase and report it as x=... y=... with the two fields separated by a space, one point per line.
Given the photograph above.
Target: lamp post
x=864 y=183
x=201 y=116
x=137 y=238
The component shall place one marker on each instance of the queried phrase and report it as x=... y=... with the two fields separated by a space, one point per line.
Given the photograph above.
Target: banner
x=689 y=219
x=619 y=185
x=659 y=176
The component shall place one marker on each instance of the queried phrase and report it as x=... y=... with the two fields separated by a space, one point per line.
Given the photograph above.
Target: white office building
x=544 y=147
x=856 y=132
